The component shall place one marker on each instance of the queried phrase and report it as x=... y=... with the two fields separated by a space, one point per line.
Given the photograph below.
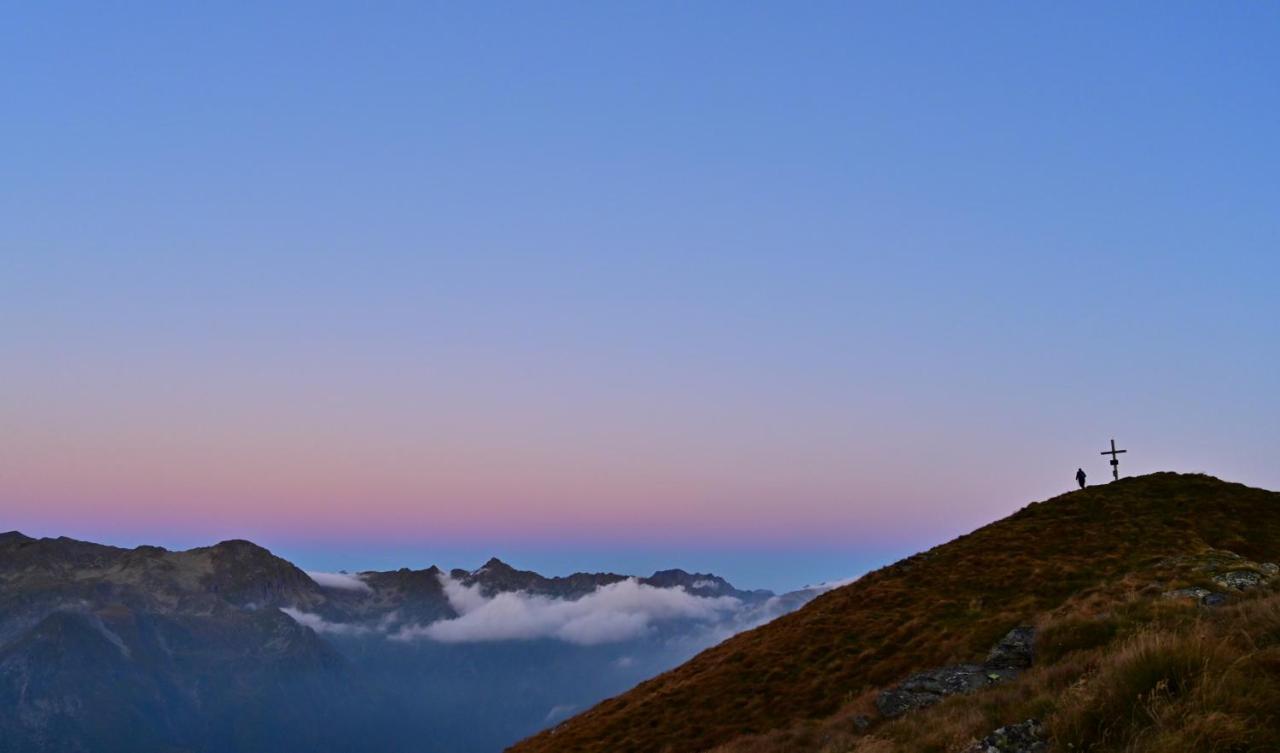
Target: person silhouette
x=1080 y=477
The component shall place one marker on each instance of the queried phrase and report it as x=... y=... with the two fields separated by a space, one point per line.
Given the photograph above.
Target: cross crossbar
x=1115 y=461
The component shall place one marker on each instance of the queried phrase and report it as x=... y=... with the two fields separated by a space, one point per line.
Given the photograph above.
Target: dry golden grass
x=1169 y=680
x=1210 y=686
x=1121 y=669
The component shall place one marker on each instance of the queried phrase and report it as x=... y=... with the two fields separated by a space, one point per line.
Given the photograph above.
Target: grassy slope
x=948 y=604
x=1144 y=674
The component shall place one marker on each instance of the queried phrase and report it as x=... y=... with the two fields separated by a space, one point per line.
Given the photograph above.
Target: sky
x=783 y=291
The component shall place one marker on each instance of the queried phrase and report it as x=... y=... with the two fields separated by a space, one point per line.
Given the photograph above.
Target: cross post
x=1115 y=462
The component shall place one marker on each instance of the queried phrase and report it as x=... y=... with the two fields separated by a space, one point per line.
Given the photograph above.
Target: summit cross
x=1115 y=461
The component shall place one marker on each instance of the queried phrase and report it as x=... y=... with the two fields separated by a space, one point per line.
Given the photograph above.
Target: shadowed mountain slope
x=943 y=606
x=229 y=647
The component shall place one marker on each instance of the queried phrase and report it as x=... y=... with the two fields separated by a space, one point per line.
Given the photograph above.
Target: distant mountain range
x=1140 y=616
x=230 y=648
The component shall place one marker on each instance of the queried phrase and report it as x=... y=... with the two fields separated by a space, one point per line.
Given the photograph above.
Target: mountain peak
x=433 y=570
x=495 y=564
x=244 y=572
x=239 y=545
x=242 y=550
x=703 y=582
x=13 y=537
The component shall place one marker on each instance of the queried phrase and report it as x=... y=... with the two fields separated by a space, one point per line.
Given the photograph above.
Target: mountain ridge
x=945 y=605
x=494 y=575
x=229 y=646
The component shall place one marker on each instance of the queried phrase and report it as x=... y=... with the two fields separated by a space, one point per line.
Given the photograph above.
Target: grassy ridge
x=1118 y=669
x=945 y=605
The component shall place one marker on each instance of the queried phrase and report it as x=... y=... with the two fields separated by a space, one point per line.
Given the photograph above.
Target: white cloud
x=560 y=712
x=321 y=625
x=338 y=580
x=831 y=585
x=464 y=600
x=387 y=620
x=616 y=612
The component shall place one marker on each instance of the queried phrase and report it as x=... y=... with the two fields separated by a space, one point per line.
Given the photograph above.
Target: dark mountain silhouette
x=229 y=647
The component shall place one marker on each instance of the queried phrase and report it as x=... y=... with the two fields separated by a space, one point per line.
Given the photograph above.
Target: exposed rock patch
x=1023 y=737
x=1011 y=654
x=1240 y=580
x=1015 y=650
x=1203 y=596
x=1227 y=570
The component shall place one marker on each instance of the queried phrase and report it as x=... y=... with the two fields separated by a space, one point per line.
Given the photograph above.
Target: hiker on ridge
x=1080 y=477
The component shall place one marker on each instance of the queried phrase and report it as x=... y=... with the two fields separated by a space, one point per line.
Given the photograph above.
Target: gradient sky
x=778 y=290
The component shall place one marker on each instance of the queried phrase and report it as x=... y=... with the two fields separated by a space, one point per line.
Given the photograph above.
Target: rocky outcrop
x=1203 y=596
x=1023 y=737
x=924 y=689
x=1225 y=569
x=1015 y=650
x=1011 y=654
x=1239 y=580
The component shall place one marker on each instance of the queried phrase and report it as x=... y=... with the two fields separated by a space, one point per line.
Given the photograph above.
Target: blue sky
x=627 y=284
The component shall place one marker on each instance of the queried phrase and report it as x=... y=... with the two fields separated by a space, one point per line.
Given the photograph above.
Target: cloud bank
x=338 y=580
x=321 y=625
x=616 y=612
